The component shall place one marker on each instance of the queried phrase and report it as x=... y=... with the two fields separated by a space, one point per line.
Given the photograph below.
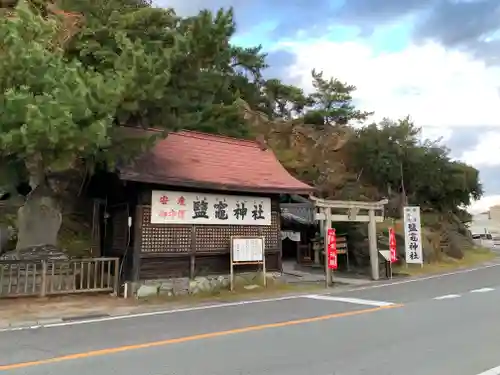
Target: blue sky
x=390 y=37
x=435 y=60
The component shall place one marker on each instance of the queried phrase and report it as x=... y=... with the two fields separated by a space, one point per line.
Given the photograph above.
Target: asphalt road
x=448 y=325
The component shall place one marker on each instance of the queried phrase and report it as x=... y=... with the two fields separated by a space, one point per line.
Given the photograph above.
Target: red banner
x=392 y=245
x=332 y=249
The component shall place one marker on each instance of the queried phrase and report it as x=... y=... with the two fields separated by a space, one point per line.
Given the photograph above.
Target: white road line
x=356 y=301
x=493 y=371
x=482 y=290
x=419 y=279
x=448 y=296
x=222 y=305
x=154 y=313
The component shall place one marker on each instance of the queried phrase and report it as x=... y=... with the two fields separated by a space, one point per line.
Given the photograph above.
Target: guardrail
x=25 y=278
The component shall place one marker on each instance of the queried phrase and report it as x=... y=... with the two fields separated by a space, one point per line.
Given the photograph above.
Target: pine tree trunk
x=404 y=197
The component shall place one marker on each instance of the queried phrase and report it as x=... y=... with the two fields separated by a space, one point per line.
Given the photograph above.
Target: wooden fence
x=26 y=278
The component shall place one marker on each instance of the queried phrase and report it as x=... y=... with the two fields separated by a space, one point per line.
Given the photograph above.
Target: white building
x=486 y=226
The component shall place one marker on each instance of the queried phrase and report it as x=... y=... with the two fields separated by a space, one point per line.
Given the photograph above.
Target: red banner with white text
x=332 y=249
x=392 y=244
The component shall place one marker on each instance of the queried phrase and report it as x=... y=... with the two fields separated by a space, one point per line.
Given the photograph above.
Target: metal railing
x=25 y=278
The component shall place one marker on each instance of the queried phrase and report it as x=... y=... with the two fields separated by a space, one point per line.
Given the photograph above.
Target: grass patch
x=471 y=258
x=240 y=293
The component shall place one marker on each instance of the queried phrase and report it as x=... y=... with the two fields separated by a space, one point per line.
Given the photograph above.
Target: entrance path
x=293 y=274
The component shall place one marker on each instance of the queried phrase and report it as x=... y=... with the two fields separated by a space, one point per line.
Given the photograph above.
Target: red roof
x=193 y=159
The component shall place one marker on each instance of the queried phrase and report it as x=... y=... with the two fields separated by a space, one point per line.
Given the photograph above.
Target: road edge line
x=491 y=371
x=354 y=301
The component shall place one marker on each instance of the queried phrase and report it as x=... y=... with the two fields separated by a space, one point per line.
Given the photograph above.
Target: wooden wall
x=164 y=251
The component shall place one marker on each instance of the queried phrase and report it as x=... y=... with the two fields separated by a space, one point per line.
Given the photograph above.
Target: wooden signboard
x=247 y=250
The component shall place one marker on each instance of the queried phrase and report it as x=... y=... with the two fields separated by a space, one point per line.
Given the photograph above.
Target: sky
x=435 y=60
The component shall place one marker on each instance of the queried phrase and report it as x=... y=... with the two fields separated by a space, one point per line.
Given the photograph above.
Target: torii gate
x=374 y=213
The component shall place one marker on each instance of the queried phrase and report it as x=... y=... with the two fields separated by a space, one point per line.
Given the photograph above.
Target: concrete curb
x=84 y=317
x=12 y=326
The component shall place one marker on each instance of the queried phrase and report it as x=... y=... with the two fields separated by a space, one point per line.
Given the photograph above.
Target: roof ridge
x=195 y=133
x=141 y=128
x=217 y=137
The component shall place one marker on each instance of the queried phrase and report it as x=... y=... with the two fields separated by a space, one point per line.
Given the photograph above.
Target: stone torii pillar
x=372 y=243
x=326 y=217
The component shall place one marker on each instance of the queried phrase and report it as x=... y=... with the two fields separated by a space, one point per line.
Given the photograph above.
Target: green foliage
x=152 y=31
x=331 y=103
x=378 y=150
x=66 y=87
x=392 y=157
x=54 y=109
x=191 y=75
x=283 y=101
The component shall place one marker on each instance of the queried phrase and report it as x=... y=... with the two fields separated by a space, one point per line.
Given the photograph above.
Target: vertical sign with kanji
x=413 y=237
x=392 y=245
x=332 y=249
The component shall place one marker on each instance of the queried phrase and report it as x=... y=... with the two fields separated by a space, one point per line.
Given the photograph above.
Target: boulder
x=145 y=291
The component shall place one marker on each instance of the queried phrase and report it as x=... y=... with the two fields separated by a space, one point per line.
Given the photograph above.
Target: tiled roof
x=193 y=159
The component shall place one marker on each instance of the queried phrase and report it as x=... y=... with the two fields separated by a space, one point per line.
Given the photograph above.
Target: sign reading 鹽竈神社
x=175 y=207
x=413 y=236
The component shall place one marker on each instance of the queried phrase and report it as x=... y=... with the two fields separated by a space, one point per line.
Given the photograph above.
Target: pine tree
x=54 y=111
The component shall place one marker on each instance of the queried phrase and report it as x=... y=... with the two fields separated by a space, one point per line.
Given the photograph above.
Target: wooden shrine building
x=298 y=228
x=173 y=211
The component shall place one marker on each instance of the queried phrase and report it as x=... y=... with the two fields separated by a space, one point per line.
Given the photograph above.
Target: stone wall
x=201 y=284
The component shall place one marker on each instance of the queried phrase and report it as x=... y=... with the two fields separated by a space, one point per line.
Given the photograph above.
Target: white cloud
x=437 y=87
x=440 y=89
x=484 y=204
x=486 y=152
x=436 y=132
